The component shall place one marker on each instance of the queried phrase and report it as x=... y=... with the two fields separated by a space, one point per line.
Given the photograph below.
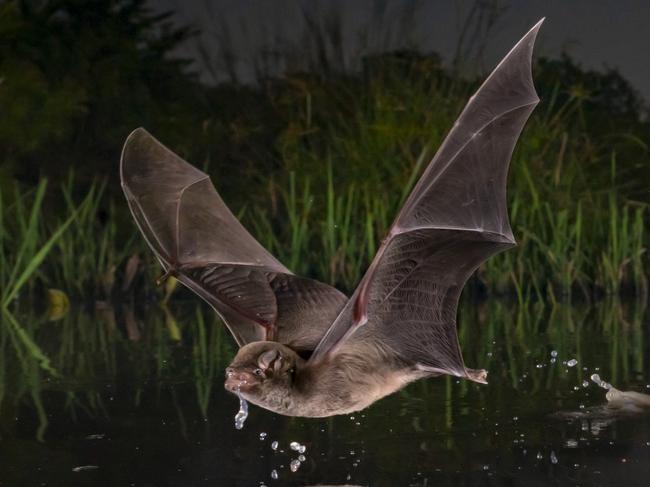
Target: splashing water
x=596 y=378
x=242 y=414
x=295 y=446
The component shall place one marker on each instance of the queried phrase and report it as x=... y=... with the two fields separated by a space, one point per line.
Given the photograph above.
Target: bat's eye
x=258 y=372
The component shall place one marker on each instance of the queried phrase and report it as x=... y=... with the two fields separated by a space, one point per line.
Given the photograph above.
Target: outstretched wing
x=455 y=218
x=198 y=240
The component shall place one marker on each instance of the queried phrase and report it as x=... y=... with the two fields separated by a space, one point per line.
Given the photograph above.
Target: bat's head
x=262 y=372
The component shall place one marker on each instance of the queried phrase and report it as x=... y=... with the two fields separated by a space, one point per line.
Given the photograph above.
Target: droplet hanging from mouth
x=242 y=414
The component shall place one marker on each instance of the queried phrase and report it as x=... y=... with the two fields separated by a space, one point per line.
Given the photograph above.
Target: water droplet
x=572 y=363
x=242 y=414
x=98 y=436
x=294 y=465
x=262 y=436
x=302 y=449
x=274 y=445
x=552 y=360
x=294 y=445
x=302 y=458
x=596 y=378
x=539 y=455
x=553 y=458
x=585 y=383
x=274 y=474
x=83 y=468
x=553 y=353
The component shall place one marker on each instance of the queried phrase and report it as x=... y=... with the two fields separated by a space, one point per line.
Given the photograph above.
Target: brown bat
x=306 y=349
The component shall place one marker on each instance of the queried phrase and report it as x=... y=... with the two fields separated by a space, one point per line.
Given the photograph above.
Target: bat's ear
x=267 y=358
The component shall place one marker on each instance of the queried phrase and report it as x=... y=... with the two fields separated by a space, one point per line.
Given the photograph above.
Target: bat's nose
x=237 y=379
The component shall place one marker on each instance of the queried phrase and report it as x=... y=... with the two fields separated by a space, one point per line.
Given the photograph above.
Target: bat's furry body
x=349 y=382
x=400 y=323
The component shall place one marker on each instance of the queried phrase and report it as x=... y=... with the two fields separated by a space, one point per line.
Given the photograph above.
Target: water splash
x=597 y=380
x=295 y=446
x=242 y=414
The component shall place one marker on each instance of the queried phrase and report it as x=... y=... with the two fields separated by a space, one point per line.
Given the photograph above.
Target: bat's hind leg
x=476 y=375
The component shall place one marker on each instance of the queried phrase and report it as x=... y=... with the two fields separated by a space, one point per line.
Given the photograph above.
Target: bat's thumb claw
x=477 y=375
x=164 y=277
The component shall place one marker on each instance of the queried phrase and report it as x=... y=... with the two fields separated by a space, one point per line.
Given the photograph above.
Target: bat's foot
x=477 y=375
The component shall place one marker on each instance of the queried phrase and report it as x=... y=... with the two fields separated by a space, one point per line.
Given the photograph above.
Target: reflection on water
x=138 y=400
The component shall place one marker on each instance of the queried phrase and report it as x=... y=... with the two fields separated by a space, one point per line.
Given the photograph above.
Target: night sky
x=598 y=34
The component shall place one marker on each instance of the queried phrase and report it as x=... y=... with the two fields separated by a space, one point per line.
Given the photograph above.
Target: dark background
x=598 y=35
x=78 y=76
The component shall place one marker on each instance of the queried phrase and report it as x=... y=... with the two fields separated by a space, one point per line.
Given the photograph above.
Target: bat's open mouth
x=240 y=380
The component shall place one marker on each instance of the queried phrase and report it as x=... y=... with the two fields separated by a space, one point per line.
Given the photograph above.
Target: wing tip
x=526 y=43
x=531 y=35
x=132 y=139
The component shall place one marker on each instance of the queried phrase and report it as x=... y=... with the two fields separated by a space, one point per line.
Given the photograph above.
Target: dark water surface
x=139 y=401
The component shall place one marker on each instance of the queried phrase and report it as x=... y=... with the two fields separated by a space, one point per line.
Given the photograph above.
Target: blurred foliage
x=315 y=162
x=76 y=76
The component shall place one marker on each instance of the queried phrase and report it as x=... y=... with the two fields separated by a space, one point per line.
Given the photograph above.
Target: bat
x=305 y=348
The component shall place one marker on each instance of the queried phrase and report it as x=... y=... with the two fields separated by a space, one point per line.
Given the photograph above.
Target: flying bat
x=305 y=348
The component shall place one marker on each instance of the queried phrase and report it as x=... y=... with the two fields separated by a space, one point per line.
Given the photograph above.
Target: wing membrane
x=198 y=239
x=454 y=219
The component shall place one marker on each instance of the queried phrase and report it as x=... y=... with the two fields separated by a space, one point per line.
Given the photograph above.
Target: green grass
x=350 y=153
x=346 y=152
x=23 y=247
